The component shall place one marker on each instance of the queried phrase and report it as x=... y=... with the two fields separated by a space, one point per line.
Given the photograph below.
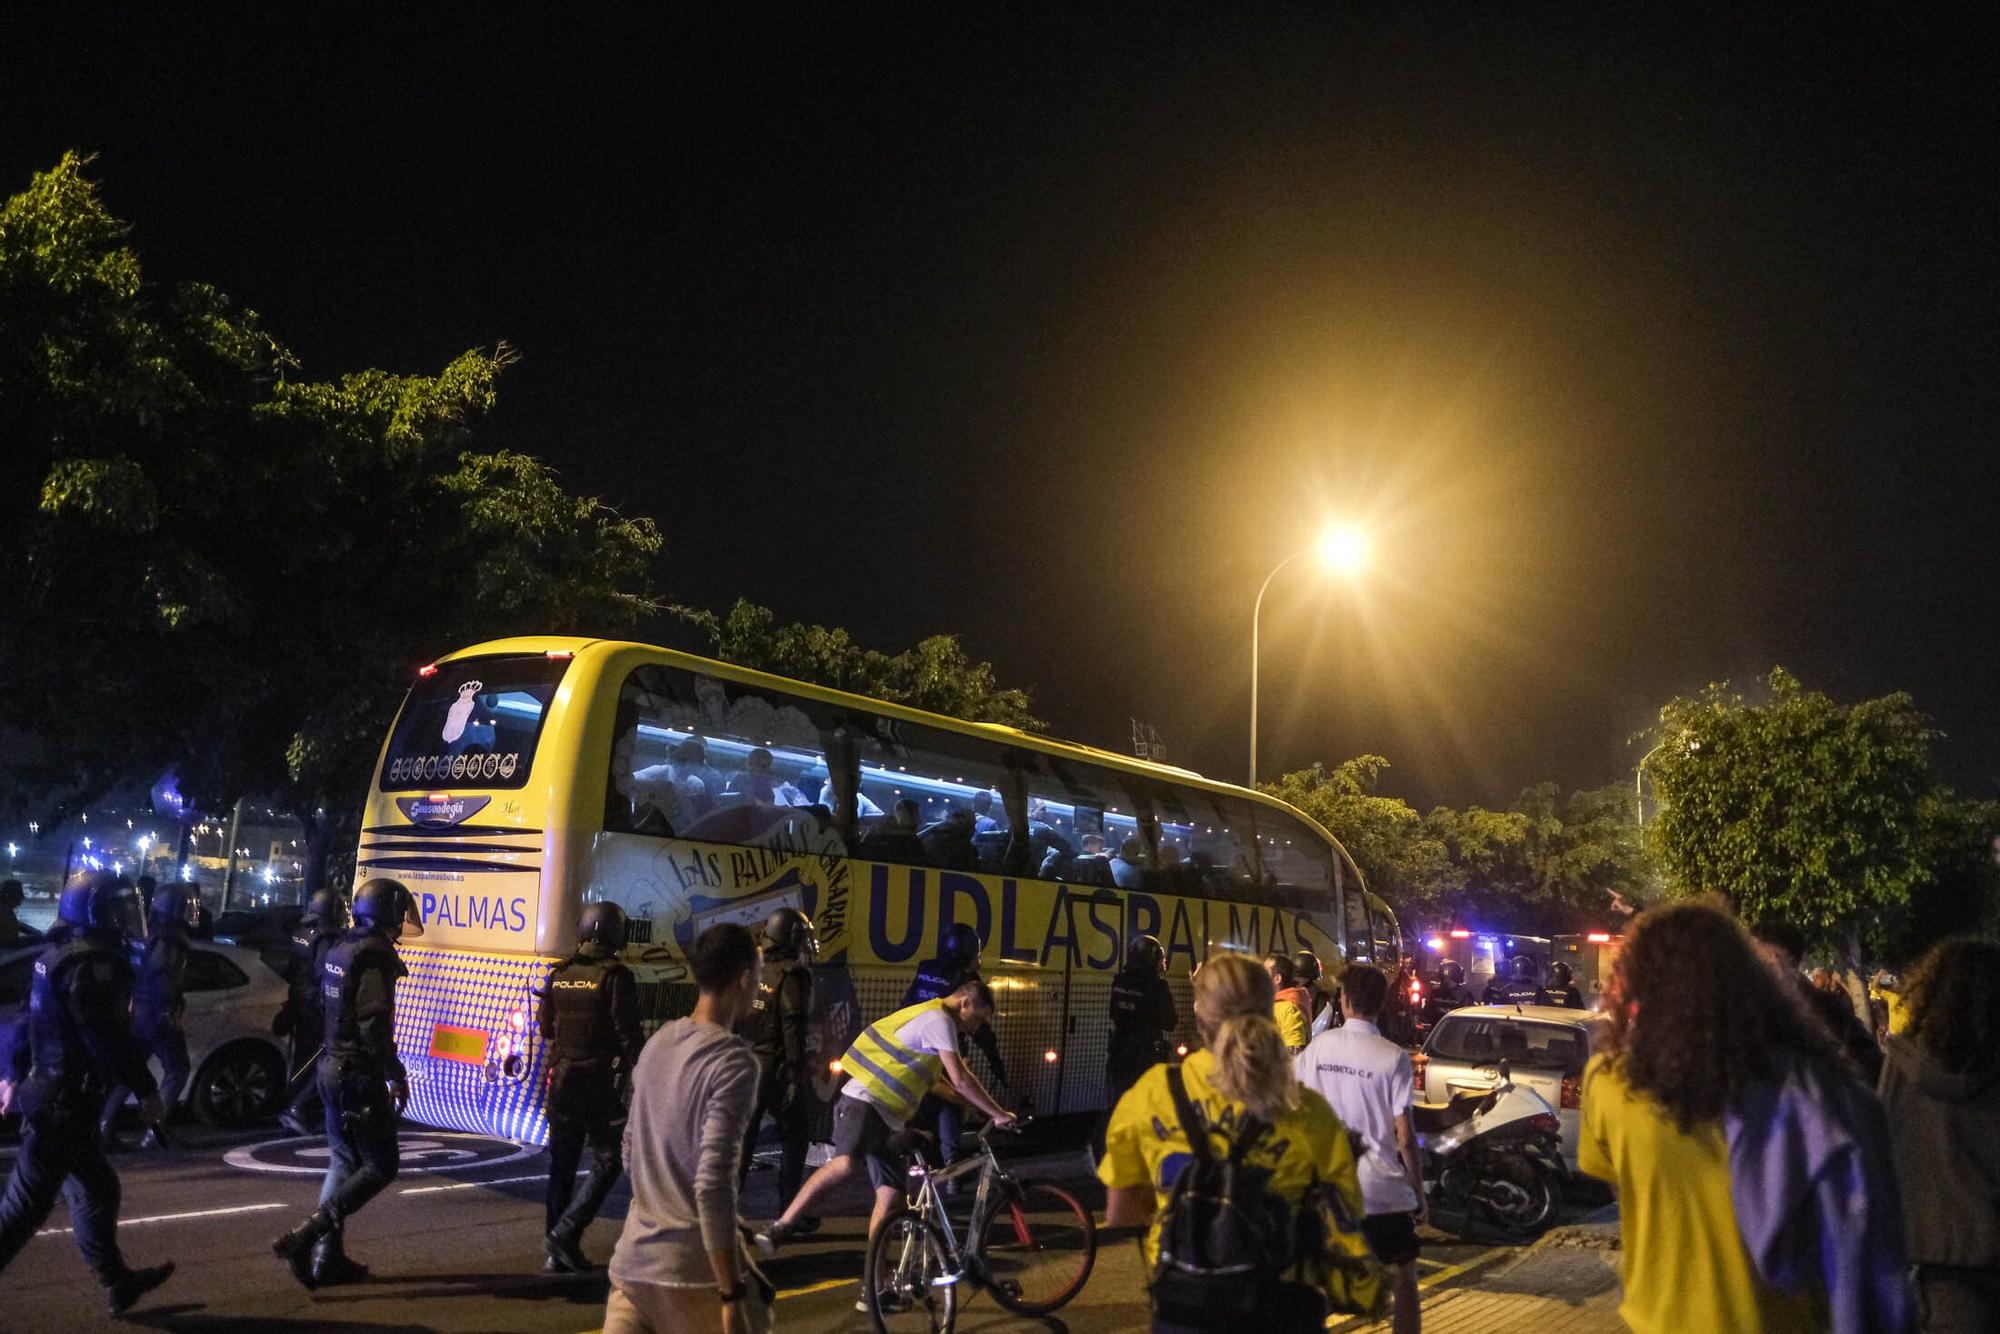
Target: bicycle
x=1030 y=1244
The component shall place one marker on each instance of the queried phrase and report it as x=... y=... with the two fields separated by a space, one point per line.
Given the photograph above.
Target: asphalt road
x=455 y=1245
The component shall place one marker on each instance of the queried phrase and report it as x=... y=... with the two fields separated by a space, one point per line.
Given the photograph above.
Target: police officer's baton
x=297 y=1082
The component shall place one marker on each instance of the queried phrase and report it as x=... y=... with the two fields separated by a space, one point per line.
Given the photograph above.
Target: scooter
x=1493 y=1151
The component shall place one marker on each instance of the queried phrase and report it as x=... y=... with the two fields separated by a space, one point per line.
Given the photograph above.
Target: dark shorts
x=859 y=1131
x=1393 y=1237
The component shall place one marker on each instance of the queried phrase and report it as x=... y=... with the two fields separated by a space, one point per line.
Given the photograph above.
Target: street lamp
x=1343 y=550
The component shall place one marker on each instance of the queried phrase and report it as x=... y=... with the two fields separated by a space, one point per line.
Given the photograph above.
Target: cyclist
x=890 y=1067
x=955 y=964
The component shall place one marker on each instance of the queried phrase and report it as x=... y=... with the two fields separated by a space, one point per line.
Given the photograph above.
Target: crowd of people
x=1778 y=1163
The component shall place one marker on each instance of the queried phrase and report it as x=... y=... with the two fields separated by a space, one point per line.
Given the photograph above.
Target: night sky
x=1653 y=355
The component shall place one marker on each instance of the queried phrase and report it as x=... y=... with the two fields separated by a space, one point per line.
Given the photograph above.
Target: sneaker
x=805 y=1225
x=776 y=1235
x=130 y=1286
x=893 y=1303
x=289 y=1119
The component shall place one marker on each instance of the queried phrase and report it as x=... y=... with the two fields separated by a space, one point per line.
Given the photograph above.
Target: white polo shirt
x=1369 y=1082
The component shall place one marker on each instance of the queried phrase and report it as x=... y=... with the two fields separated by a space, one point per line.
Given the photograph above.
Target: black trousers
x=60 y=1154
x=584 y=1108
x=167 y=1040
x=360 y=1138
x=793 y=1131
x=305 y=1046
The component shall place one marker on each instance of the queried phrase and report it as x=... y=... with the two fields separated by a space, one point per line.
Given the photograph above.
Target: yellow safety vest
x=894 y=1077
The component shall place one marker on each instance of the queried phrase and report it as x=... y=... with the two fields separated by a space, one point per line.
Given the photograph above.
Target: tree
x=1801 y=809
x=1550 y=864
x=215 y=562
x=936 y=675
x=1399 y=852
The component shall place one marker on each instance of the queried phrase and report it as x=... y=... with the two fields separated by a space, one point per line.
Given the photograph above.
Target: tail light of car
x=1546 y=1123
x=1416 y=990
x=1572 y=1093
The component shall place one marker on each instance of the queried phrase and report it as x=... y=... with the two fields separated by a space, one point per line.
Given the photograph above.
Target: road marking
x=824 y=1285
x=419 y=1151
x=172 y=1218
x=468 y=1185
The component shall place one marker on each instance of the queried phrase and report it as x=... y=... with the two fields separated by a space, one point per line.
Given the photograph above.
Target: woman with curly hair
x=1941 y=1085
x=1752 y=1169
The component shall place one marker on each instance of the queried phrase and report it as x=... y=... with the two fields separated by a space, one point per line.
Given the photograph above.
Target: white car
x=1545 y=1047
x=238 y=1068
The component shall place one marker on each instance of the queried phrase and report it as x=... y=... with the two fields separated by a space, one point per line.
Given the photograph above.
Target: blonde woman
x=1242 y=1068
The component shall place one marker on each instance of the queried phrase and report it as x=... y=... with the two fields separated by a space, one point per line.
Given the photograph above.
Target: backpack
x=1227 y=1239
x=1225 y=1235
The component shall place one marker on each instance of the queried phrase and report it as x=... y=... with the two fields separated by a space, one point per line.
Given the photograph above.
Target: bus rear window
x=472 y=723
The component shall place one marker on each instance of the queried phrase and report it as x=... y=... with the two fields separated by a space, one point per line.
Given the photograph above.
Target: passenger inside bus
x=705 y=759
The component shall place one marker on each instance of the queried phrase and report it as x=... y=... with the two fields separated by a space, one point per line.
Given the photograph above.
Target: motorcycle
x=1493 y=1152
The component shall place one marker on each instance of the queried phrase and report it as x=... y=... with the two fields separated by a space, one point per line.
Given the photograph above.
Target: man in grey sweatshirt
x=681 y=1264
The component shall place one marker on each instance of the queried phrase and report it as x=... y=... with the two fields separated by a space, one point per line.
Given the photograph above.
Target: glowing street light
x=1342 y=550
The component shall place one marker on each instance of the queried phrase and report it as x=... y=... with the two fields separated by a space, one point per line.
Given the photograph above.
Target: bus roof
x=1013 y=736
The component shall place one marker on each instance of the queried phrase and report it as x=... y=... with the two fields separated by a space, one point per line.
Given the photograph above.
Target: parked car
x=262 y=929
x=232 y=994
x=1545 y=1046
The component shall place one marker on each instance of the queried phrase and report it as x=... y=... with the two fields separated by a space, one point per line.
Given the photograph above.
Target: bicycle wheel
x=908 y=1278
x=1036 y=1247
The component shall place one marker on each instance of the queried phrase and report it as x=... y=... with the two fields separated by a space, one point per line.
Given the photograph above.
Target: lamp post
x=1639 y=779
x=1343 y=550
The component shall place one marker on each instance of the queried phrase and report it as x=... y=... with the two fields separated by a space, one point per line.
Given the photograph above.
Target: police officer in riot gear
x=1517 y=986
x=956 y=963
x=300 y=1019
x=1562 y=986
x=74 y=1045
x=589 y=1015
x=779 y=1023
x=1143 y=1019
x=1325 y=1012
x=361 y=1080
x=159 y=1000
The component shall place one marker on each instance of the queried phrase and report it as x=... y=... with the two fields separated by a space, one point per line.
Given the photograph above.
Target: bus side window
x=711 y=760
x=929 y=797
x=1360 y=942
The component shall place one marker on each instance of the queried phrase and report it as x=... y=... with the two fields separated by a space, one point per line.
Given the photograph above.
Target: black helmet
x=1524 y=968
x=1561 y=974
x=961 y=942
x=1146 y=955
x=601 y=929
x=789 y=932
x=1455 y=974
x=171 y=904
x=387 y=905
x=325 y=908
x=1308 y=967
x=97 y=901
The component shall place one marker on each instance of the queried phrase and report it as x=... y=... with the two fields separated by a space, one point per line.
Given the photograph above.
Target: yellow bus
x=525 y=777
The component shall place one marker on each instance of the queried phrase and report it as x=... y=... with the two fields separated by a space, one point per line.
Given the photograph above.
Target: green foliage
x=935 y=675
x=215 y=562
x=1822 y=814
x=1549 y=864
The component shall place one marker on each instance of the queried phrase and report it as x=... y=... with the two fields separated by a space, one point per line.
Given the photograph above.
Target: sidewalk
x=1567 y=1283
